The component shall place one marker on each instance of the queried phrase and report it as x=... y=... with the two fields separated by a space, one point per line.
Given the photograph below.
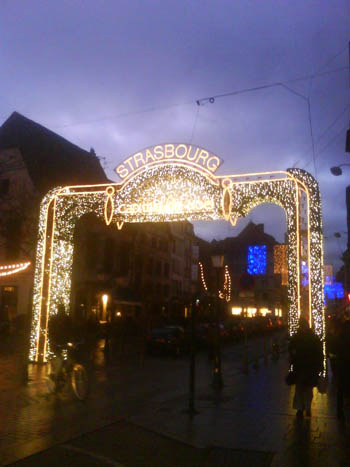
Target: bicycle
x=72 y=374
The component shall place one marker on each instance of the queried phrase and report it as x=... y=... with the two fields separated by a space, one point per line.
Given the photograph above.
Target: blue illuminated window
x=304 y=274
x=333 y=291
x=257 y=259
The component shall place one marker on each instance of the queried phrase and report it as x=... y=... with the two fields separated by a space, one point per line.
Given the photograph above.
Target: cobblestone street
x=139 y=412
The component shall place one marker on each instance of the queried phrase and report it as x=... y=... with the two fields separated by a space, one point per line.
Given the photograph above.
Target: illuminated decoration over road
x=180 y=152
x=280 y=262
x=166 y=183
x=257 y=259
x=225 y=294
x=9 y=269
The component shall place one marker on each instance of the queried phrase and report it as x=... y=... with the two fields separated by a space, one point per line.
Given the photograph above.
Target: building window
x=176 y=268
x=166 y=270
x=150 y=266
x=176 y=288
x=4 y=186
x=124 y=259
x=8 y=308
x=166 y=290
x=109 y=255
x=92 y=244
x=257 y=259
x=13 y=238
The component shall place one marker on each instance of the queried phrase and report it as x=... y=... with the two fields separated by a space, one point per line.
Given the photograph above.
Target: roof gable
x=50 y=159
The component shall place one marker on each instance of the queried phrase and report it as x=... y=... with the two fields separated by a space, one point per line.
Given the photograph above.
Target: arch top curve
x=169 y=192
x=192 y=156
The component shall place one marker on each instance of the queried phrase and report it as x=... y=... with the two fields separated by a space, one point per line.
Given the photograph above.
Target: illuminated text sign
x=169 y=152
x=168 y=206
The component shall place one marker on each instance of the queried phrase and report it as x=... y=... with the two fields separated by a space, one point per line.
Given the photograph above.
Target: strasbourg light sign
x=167 y=205
x=170 y=152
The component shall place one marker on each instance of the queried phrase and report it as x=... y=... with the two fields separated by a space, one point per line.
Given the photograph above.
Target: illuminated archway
x=175 y=182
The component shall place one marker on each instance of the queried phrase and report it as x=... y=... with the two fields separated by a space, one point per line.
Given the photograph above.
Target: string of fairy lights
x=69 y=207
x=280 y=262
x=165 y=193
x=283 y=192
x=174 y=188
x=316 y=271
x=225 y=294
x=9 y=269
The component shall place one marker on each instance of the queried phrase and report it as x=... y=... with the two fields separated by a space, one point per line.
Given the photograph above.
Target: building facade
x=255 y=286
x=140 y=267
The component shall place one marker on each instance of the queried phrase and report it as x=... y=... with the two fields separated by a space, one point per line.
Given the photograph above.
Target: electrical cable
x=194 y=124
x=203 y=100
x=327 y=145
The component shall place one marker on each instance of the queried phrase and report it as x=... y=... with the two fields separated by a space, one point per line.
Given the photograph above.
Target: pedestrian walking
x=342 y=355
x=306 y=358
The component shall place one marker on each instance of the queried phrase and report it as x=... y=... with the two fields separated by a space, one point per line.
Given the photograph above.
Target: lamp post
x=346 y=256
x=218 y=264
x=194 y=308
x=104 y=307
x=336 y=170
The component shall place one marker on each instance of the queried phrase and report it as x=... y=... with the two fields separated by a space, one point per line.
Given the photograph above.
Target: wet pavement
x=137 y=414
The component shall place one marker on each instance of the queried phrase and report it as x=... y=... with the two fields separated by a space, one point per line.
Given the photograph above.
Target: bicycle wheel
x=79 y=380
x=51 y=384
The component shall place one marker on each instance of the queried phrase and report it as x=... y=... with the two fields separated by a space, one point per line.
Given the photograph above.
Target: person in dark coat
x=306 y=356
x=61 y=331
x=342 y=352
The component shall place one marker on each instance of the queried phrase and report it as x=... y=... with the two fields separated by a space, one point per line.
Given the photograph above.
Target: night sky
x=119 y=76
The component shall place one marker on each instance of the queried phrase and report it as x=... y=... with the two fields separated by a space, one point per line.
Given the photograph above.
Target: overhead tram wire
x=126 y=114
x=194 y=124
x=201 y=101
x=212 y=98
x=311 y=80
x=329 y=143
x=337 y=118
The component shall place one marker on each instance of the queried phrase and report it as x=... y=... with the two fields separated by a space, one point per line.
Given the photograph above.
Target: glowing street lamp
x=336 y=170
x=105 y=298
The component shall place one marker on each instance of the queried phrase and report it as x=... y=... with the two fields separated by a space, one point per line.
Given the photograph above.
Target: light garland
x=280 y=262
x=202 y=276
x=226 y=293
x=315 y=250
x=283 y=191
x=10 y=269
x=170 y=192
x=68 y=207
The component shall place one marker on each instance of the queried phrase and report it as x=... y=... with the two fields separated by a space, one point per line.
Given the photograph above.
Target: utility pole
x=347 y=252
x=347 y=141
